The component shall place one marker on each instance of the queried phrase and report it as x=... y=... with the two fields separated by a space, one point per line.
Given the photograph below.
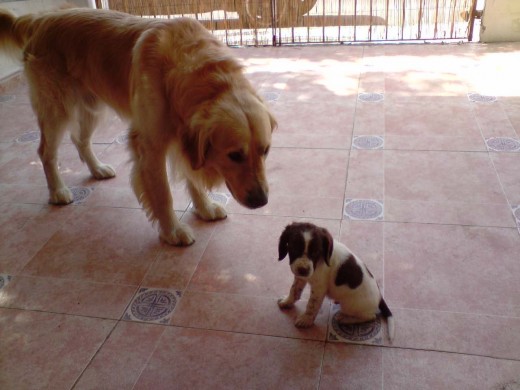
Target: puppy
x=331 y=270
x=185 y=96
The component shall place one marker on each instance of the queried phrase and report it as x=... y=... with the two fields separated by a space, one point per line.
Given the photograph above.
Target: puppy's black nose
x=256 y=198
x=303 y=271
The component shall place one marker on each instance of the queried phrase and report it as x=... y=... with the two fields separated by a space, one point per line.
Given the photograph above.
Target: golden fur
x=181 y=90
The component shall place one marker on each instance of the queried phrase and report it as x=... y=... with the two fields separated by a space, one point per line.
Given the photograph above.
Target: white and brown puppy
x=183 y=93
x=332 y=270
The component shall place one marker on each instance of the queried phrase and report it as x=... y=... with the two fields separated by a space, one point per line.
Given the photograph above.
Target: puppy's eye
x=266 y=151
x=237 y=157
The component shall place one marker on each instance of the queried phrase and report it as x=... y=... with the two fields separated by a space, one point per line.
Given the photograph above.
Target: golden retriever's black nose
x=256 y=198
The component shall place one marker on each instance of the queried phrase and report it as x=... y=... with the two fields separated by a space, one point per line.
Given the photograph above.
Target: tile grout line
x=458 y=312
x=183 y=291
x=447 y=224
x=382 y=369
x=58 y=313
x=94 y=355
x=350 y=152
x=324 y=345
x=384 y=192
x=490 y=157
x=503 y=190
x=384 y=219
x=152 y=352
x=341 y=220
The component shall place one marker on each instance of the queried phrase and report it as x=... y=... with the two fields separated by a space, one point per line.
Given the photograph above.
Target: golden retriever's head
x=230 y=139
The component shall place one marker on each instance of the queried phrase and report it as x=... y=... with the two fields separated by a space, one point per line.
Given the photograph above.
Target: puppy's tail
x=385 y=312
x=14 y=32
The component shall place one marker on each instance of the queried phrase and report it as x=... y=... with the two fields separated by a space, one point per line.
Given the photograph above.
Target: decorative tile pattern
x=509 y=385
x=371 y=97
x=364 y=333
x=220 y=197
x=122 y=139
x=478 y=98
x=516 y=213
x=7 y=98
x=368 y=142
x=30 y=136
x=271 y=96
x=152 y=305
x=503 y=144
x=81 y=194
x=364 y=209
x=4 y=280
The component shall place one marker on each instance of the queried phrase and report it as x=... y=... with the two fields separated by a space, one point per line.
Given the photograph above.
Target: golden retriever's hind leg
x=150 y=184
x=204 y=207
x=52 y=131
x=87 y=124
x=52 y=107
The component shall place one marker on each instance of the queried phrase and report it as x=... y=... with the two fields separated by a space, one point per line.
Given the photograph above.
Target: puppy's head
x=307 y=245
x=232 y=138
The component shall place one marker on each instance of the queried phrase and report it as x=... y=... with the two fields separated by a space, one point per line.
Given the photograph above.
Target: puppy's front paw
x=179 y=236
x=61 y=196
x=285 y=303
x=304 y=321
x=211 y=211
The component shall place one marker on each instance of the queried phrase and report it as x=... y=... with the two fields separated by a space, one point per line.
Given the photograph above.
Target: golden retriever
x=183 y=93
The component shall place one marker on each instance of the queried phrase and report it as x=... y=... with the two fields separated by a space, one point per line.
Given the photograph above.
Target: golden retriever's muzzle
x=256 y=198
x=253 y=198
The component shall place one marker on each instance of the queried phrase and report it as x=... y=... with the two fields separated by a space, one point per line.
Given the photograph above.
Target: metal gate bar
x=279 y=22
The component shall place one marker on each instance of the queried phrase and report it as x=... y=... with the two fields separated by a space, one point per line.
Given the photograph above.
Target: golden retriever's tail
x=14 y=32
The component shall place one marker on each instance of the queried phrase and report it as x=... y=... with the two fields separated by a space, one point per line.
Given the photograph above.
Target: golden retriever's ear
x=195 y=146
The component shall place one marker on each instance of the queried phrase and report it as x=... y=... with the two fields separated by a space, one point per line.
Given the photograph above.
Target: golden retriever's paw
x=61 y=196
x=180 y=236
x=103 y=171
x=285 y=303
x=304 y=321
x=211 y=212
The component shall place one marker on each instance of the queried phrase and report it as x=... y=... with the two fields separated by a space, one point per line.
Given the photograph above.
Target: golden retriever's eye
x=237 y=157
x=266 y=151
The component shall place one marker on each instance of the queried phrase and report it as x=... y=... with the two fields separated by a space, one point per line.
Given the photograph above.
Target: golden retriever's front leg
x=204 y=207
x=150 y=184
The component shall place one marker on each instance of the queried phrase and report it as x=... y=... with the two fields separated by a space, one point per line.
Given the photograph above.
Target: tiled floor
x=408 y=154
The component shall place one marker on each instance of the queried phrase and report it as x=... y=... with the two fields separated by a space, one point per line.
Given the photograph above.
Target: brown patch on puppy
x=349 y=273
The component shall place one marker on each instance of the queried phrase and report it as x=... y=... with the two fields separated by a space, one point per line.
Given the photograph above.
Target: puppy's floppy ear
x=283 y=244
x=327 y=243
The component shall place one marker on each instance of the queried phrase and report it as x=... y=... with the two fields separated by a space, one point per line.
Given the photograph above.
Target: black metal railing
x=278 y=22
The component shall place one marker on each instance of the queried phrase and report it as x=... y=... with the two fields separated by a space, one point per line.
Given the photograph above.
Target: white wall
x=501 y=21
x=9 y=66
